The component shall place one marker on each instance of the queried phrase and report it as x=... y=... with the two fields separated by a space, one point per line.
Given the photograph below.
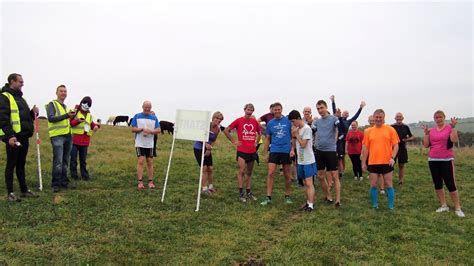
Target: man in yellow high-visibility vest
x=60 y=134
x=16 y=127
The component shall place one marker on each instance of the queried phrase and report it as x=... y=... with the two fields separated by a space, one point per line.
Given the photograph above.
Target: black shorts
x=279 y=158
x=248 y=157
x=207 y=159
x=402 y=155
x=379 y=168
x=326 y=160
x=147 y=152
x=341 y=148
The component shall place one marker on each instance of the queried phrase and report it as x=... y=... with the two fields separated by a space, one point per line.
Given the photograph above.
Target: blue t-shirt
x=280 y=132
x=149 y=121
x=326 y=132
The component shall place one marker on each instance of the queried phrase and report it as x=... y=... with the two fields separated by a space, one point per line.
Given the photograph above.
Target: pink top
x=439 y=141
x=247 y=130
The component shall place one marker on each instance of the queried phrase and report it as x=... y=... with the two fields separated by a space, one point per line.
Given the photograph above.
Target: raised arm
x=354 y=118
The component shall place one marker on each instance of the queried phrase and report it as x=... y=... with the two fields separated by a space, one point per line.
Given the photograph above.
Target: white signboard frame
x=190 y=125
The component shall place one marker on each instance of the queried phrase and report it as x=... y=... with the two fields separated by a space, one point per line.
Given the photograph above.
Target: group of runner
x=318 y=146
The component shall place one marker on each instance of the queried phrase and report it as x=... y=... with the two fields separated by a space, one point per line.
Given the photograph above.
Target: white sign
x=192 y=125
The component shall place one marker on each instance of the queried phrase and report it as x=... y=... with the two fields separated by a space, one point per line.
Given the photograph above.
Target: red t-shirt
x=354 y=141
x=247 y=130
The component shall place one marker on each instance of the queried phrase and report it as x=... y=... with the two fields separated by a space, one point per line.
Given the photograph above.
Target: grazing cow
x=121 y=118
x=110 y=120
x=168 y=126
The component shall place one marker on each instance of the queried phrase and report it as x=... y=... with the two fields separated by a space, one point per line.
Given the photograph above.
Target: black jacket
x=26 y=115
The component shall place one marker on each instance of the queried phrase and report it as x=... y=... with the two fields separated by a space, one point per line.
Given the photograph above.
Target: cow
x=168 y=126
x=110 y=120
x=121 y=118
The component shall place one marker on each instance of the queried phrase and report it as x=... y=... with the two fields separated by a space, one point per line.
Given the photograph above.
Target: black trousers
x=82 y=151
x=16 y=160
x=356 y=164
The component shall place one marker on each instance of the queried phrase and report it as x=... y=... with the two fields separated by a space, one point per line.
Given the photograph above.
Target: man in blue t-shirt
x=278 y=134
x=145 y=125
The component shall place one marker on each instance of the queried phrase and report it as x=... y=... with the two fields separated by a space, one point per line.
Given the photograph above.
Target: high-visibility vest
x=14 y=114
x=81 y=128
x=58 y=128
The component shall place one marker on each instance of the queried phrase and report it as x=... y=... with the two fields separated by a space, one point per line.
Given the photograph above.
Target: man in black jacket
x=16 y=127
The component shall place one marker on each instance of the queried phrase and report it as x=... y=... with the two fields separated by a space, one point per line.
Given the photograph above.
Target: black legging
x=356 y=164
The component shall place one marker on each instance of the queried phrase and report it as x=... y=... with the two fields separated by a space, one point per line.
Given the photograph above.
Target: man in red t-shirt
x=248 y=136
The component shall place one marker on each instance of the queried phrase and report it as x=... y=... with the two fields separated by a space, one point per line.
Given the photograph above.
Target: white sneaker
x=459 y=213
x=443 y=209
x=361 y=178
x=382 y=192
x=356 y=178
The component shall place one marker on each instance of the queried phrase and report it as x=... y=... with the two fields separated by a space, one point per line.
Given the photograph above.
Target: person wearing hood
x=82 y=128
x=16 y=127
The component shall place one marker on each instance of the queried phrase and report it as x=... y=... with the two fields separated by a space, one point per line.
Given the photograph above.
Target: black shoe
x=12 y=198
x=55 y=189
x=328 y=201
x=309 y=209
x=28 y=194
x=86 y=178
x=337 y=205
x=303 y=207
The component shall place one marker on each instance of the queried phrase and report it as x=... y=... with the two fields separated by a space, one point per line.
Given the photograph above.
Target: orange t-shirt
x=379 y=142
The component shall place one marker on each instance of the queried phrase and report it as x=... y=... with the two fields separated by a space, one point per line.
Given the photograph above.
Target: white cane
x=38 y=141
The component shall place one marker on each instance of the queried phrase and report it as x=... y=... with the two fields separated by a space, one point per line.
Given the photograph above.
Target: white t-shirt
x=144 y=121
x=305 y=155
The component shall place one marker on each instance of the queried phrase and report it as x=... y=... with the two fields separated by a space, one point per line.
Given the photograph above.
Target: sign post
x=190 y=125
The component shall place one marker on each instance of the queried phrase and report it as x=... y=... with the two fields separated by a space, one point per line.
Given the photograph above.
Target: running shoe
x=13 y=198
x=28 y=194
x=266 y=202
x=459 y=213
x=251 y=197
x=382 y=192
x=288 y=200
x=304 y=207
x=443 y=209
x=242 y=198
x=329 y=201
x=337 y=205
x=151 y=185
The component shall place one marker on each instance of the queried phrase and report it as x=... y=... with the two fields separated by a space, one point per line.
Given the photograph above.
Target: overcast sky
x=414 y=57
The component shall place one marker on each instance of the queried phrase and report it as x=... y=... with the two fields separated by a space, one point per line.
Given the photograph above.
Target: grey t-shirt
x=326 y=133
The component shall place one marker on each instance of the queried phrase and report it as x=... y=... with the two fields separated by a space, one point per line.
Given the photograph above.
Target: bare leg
x=441 y=197
x=455 y=197
x=337 y=184
x=149 y=167
x=401 y=173
x=287 y=173
x=248 y=172
x=310 y=192
x=140 y=165
x=270 y=177
x=324 y=184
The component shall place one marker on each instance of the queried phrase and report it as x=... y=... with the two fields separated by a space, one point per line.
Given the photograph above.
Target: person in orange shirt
x=380 y=144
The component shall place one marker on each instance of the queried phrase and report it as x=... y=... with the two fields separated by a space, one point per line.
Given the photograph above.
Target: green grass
x=108 y=221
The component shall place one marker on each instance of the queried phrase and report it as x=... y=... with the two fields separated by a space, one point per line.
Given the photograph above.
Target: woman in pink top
x=354 y=148
x=440 y=140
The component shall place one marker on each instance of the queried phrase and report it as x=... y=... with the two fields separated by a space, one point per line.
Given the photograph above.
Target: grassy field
x=108 y=221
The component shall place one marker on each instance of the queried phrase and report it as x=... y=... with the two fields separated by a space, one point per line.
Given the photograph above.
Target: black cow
x=120 y=118
x=168 y=126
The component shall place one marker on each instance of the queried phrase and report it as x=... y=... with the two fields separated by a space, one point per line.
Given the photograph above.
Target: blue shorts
x=306 y=171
